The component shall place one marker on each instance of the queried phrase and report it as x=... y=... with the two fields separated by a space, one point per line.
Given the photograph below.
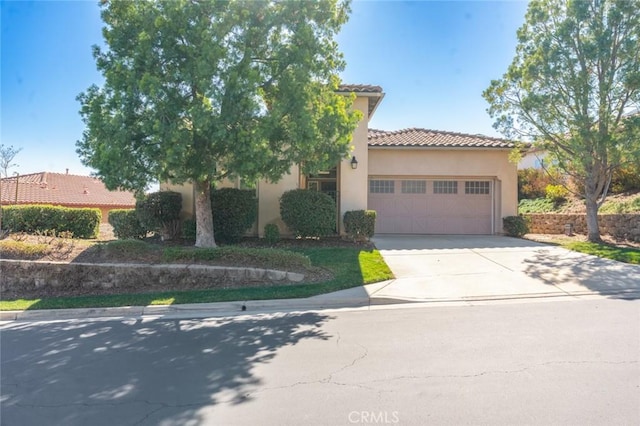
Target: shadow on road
x=130 y=371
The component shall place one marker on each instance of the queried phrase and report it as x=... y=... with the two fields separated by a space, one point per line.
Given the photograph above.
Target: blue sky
x=433 y=60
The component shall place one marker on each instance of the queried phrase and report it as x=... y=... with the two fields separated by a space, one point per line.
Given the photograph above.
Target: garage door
x=431 y=206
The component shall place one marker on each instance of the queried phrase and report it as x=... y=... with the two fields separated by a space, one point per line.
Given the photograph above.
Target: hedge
x=160 y=212
x=360 y=224
x=308 y=213
x=234 y=212
x=126 y=224
x=81 y=222
x=515 y=226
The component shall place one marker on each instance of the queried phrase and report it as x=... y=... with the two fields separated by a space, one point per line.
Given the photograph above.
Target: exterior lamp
x=354 y=163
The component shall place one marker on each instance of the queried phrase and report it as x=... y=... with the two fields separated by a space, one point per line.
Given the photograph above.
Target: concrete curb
x=194 y=310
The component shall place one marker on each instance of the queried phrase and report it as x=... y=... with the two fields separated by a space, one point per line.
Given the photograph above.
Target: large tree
x=574 y=89
x=200 y=91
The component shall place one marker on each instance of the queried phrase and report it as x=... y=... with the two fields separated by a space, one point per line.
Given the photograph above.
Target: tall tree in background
x=574 y=89
x=199 y=91
x=7 y=154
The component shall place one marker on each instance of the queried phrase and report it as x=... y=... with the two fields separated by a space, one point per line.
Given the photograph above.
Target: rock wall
x=19 y=278
x=617 y=225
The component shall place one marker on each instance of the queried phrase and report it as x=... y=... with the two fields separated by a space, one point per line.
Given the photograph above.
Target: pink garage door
x=431 y=206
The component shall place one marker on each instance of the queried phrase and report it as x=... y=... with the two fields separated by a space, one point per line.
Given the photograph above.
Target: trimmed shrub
x=556 y=193
x=234 y=212
x=81 y=222
x=126 y=224
x=271 y=233
x=308 y=213
x=360 y=224
x=189 y=229
x=160 y=212
x=515 y=226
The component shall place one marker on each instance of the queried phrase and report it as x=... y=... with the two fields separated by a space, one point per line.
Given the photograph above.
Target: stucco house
x=419 y=181
x=63 y=189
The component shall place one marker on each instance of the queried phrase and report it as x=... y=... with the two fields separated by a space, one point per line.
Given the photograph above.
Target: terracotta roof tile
x=63 y=189
x=359 y=88
x=434 y=138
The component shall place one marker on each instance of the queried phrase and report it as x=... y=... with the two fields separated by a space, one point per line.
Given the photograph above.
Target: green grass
x=621 y=254
x=22 y=250
x=276 y=259
x=351 y=267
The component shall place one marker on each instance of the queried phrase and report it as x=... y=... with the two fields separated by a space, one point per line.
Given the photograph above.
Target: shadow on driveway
x=575 y=272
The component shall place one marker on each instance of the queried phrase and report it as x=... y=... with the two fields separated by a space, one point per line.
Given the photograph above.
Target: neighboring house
x=64 y=190
x=419 y=181
x=533 y=158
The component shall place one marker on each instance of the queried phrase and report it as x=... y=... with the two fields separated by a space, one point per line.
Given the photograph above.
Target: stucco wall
x=353 y=183
x=458 y=163
x=269 y=200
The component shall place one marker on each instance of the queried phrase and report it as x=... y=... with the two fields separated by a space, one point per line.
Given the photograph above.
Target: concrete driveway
x=455 y=267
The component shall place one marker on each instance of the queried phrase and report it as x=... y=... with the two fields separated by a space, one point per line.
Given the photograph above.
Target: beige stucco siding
x=353 y=183
x=458 y=163
x=269 y=200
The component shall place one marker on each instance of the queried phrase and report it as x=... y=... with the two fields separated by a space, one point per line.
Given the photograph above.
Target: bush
x=126 y=224
x=234 y=212
x=532 y=183
x=556 y=193
x=360 y=224
x=308 y=213
x=515 y=226
x=160 y=212
x=189 y=229
x=81 y=222
x=271 y=233
x=625 y=179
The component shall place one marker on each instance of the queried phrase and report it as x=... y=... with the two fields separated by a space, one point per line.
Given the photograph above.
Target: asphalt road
x=544 y=362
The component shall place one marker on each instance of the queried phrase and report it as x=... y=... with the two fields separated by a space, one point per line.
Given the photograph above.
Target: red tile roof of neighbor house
x=433 y=138
x=63 y=189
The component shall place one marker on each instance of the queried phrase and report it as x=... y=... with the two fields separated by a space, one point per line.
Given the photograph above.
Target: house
x=64 y=190
x=419 y=181
x=533 y=158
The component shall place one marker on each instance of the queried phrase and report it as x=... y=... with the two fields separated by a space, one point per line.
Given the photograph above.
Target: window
x=476 y=187
x=445 y=187
x=381 y=186
x=414 y=187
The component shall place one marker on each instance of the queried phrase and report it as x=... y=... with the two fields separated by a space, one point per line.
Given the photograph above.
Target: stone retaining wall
x=19 y=278
x=617 y=225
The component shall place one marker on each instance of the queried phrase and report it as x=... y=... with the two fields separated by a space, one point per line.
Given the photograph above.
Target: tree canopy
x=573 y=88
x=199 y=91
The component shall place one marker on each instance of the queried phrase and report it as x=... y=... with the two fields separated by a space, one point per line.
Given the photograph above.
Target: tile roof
x=434 y=138
x=373 y=93
x=359 y=88
x=63 y=189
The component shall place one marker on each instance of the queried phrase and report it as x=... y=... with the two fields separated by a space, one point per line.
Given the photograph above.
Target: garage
x=426 y=205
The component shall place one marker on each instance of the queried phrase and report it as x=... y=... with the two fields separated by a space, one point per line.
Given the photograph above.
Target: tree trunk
x=593 y=229
x=204 y=217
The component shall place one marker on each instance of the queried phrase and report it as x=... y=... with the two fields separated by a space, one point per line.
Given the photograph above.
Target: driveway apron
x=456 y=267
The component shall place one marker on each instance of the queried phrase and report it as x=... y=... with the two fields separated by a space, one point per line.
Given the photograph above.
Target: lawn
x=351 y=267
x=621 y=254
